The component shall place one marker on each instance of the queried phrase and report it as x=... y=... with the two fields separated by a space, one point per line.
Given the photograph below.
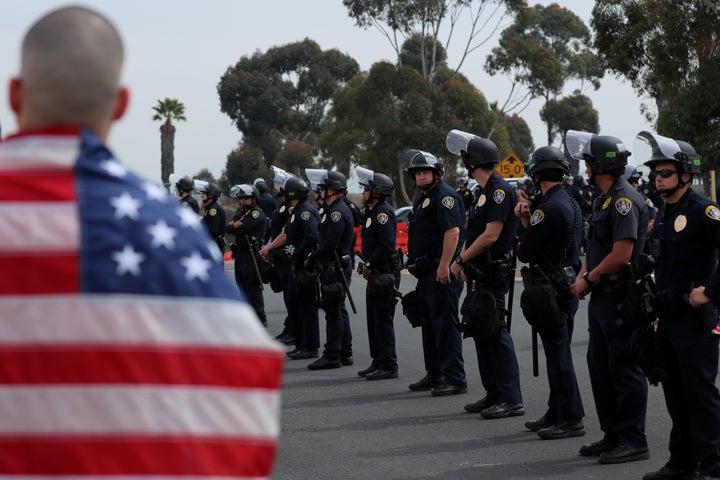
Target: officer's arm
x=276 y=242
x=615 y=261
x=484 y=241
x=450 y=241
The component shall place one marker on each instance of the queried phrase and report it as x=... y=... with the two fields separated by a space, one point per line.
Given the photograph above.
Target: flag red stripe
x=186 y=456
x=132 y=364
x=20 y=273
x=47 y=185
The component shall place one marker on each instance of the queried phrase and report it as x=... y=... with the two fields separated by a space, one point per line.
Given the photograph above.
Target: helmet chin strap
x=668 y=192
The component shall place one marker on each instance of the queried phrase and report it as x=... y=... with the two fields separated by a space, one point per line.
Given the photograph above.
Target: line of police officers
x=674 y=314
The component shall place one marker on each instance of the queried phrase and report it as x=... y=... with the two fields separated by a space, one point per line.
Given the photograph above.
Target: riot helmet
x=689 y=160
x=316 y=177
x=335 y=181
x=296 y=188
x=605 y=154
x=377 y=183
x=260 y=185
x=279 y=179
x=631 y=174
x=185 y=185
x=666 y=149
x=418 y=160
x=212 y=190
x=475 y=151
x=243 y=191
x=578 y=180
x=461 y=181
x=548 y=158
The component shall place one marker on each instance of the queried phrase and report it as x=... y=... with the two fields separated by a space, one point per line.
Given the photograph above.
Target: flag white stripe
x=98 y=410
x=39 y=151
x=39 y=227
x=132 y=319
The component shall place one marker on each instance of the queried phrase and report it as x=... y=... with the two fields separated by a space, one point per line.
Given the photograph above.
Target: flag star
x=188 y=218
x=196 y=266
x=114 y=168
x=125 y=206
x=128 y=261
x=162 y=235
x=155 y=191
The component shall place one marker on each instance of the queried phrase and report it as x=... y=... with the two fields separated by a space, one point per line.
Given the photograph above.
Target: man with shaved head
x=124 y=347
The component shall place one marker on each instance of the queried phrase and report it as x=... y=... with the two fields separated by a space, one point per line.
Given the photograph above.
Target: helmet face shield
x=364 y=175
x=316 y=177
x=578 y=143
x=280 y=178
x=414 y=160
x=457 y=141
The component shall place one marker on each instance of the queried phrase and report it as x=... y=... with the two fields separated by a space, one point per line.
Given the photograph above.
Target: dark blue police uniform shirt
x=495 y=203
x=434 y=212
x=378 y=232
x=279 y=220
x=552 y=238
x=336 y=231
x=617 y=215
x=253 y=222
x=302 y=228
x=690 y=236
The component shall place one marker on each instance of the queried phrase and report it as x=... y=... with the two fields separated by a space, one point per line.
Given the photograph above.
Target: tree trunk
x=167 y=151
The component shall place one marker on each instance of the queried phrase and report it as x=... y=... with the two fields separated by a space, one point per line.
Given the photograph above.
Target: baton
x=534 y=352
x=511 y=283
x=254 y=260
x=341 y=274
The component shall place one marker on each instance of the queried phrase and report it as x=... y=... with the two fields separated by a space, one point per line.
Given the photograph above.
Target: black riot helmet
x=260 y=185
x=212 y=190
x=296 y=188
x=185 y=185
x=605 y=154
x=420 y=160
x=688 y=159
x=578 y=180
x=335 y=181
x=377 y=183
x=480 y=152
x=631 y=173
x=243 y=191
x=545 y=159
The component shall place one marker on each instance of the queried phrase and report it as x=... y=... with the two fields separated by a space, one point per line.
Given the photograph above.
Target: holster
x=381 y=289
x=539 y=300
x=481 y=319
x=411 y=309
x=423 y=265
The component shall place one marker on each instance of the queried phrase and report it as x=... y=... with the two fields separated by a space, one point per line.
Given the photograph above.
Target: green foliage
x=244 y=164
x=543 y=49
x=521 y=141
x=283 y=94
x=420 y=53
x=166 y=111
x=379 y=114
x=574 y=112
x=668 y=49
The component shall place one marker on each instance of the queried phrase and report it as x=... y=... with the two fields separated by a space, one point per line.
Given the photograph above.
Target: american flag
x=124 y=348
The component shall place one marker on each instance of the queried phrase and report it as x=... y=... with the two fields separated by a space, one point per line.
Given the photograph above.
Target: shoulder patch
x=212 y=212
x=649 y=203
x=255 y=214
x=336 y=216
x=623 y=205
x=498 y=196
x=305 y=215
x=382 y=218
x=607 y=203
x=448 y=202
x=713 y=212
x=537 y=217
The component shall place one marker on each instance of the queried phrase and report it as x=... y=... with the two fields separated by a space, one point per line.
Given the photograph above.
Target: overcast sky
x=179 y=49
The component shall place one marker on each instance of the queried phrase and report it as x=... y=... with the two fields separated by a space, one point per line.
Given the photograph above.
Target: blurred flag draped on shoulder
x=124 y=348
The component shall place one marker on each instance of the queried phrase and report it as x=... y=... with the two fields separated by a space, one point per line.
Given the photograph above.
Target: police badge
x=382 y=218
x=623 y=205
x=537 y=217
x=448 y=202
x=305 y=215
x=335 y=216
x=498 y=196
x=713 y=212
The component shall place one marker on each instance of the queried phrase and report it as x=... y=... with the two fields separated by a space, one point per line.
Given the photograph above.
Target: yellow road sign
x=511 y=167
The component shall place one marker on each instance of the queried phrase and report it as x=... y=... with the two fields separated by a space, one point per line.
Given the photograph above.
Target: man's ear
x=121 y=103
x=15 y=95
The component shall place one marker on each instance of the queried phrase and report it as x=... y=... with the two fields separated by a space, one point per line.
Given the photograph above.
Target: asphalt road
x=336 y=425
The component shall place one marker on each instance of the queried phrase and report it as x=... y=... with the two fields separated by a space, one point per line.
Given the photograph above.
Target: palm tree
x=168 y=110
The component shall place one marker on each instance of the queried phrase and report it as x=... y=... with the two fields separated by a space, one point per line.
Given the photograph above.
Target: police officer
x=381 y=268
x=465 y=193
x=265 y=201
x=685 y=243
x=301 y=239
x=332 y=260
x=435 y=229
x=616 y=237
x=213 y=214
x=550 y=245
x=492 y=226
x=185 y=187
x=633 y=176
x=273 y=251
x=248 y=225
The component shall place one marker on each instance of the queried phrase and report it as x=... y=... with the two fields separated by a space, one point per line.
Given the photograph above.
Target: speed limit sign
x=510 y=167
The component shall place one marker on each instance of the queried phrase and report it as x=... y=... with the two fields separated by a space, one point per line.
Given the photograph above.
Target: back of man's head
x=70 y=70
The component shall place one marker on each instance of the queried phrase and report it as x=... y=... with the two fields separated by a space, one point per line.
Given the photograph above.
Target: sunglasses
x=366 y=189
x=666 y=173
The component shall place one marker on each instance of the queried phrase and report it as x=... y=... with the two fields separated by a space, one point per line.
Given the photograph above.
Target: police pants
x=304 y=316
x=283 y=267
x=618 y=384
x=337 y=329
x=381 y=332
x=565 y=403
x=442 y=341
x=497 y=363
x=247 y=280
x=688 y=353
